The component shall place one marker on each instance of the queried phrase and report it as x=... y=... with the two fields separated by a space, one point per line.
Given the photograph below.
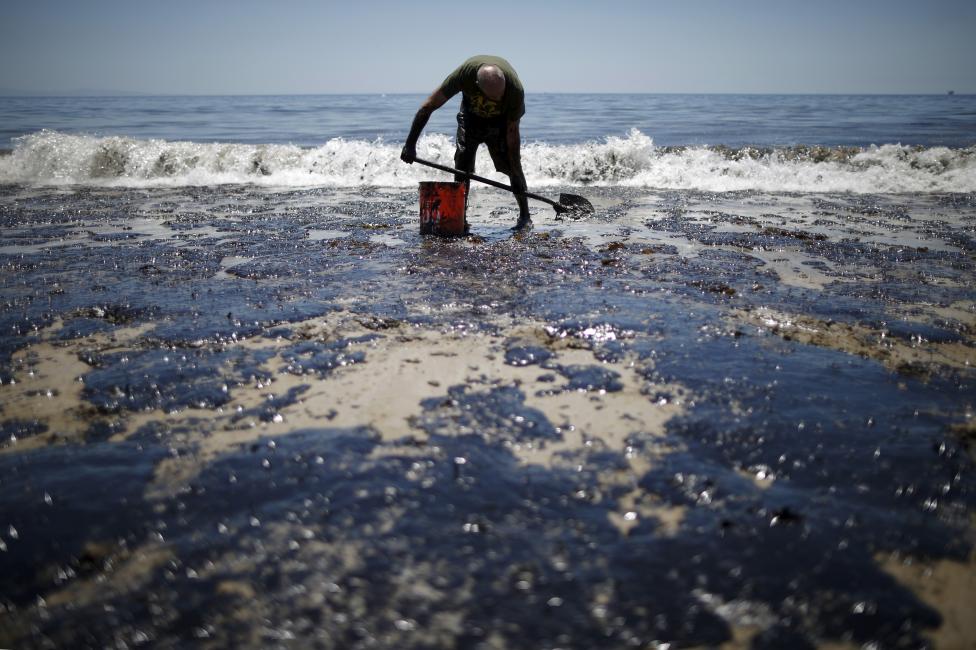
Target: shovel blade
x=575 y=205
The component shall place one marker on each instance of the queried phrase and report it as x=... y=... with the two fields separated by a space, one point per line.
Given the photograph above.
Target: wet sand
x=237 y=416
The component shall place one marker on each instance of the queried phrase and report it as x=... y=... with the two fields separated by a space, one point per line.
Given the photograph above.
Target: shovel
x=573 y=204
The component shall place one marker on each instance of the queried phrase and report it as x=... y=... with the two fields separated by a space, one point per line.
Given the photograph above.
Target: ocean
x=245 y=403
x=854 y=143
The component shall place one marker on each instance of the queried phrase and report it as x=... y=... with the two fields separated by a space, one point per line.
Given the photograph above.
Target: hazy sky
x=305 y=46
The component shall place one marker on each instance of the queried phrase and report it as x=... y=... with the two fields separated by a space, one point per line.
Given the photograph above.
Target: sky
x=386 y=46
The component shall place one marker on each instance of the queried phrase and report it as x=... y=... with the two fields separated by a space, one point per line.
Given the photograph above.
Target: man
x=492 y=104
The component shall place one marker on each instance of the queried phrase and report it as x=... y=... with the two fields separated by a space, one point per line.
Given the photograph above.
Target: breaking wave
x=55 y=158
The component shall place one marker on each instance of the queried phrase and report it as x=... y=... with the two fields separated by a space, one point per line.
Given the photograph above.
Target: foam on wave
x=51 y=157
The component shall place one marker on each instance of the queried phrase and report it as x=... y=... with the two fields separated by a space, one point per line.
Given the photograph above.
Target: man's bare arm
x=431 y=104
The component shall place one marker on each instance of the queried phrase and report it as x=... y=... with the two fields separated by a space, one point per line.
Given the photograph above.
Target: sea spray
x=56 y=158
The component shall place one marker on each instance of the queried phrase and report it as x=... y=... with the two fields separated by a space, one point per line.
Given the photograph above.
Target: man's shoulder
x=487 y=59
x=479 y=60
x=464 y=79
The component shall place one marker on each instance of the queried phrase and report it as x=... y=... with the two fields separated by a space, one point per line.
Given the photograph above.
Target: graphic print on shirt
x=484 y=107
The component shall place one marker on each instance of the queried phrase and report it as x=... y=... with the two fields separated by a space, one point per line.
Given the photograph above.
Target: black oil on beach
x=243 y=403
x=281 y=418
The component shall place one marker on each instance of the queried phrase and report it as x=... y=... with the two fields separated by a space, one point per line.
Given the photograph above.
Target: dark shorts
x=473 y=131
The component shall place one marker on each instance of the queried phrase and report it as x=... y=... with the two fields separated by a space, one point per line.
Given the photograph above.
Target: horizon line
x=116 y=94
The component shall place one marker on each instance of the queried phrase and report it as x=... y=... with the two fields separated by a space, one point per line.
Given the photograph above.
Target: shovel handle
x=488 y=181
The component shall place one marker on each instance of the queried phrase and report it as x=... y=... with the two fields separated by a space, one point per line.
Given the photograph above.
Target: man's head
x=491 y=81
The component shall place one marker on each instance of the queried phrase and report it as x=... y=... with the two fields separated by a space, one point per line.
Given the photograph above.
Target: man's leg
x=524 y=219
x=465 y=151
x=499 y=156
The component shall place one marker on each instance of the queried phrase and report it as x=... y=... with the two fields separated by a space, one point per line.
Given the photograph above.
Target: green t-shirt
x=465 y=80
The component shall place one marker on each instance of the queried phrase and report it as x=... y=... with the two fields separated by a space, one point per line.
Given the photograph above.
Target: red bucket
x=442 y=206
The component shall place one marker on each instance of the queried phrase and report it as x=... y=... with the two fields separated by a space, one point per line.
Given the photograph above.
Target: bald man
x=492 y=103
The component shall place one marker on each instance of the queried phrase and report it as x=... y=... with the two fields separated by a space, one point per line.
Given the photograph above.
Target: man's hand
x=409 y=153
